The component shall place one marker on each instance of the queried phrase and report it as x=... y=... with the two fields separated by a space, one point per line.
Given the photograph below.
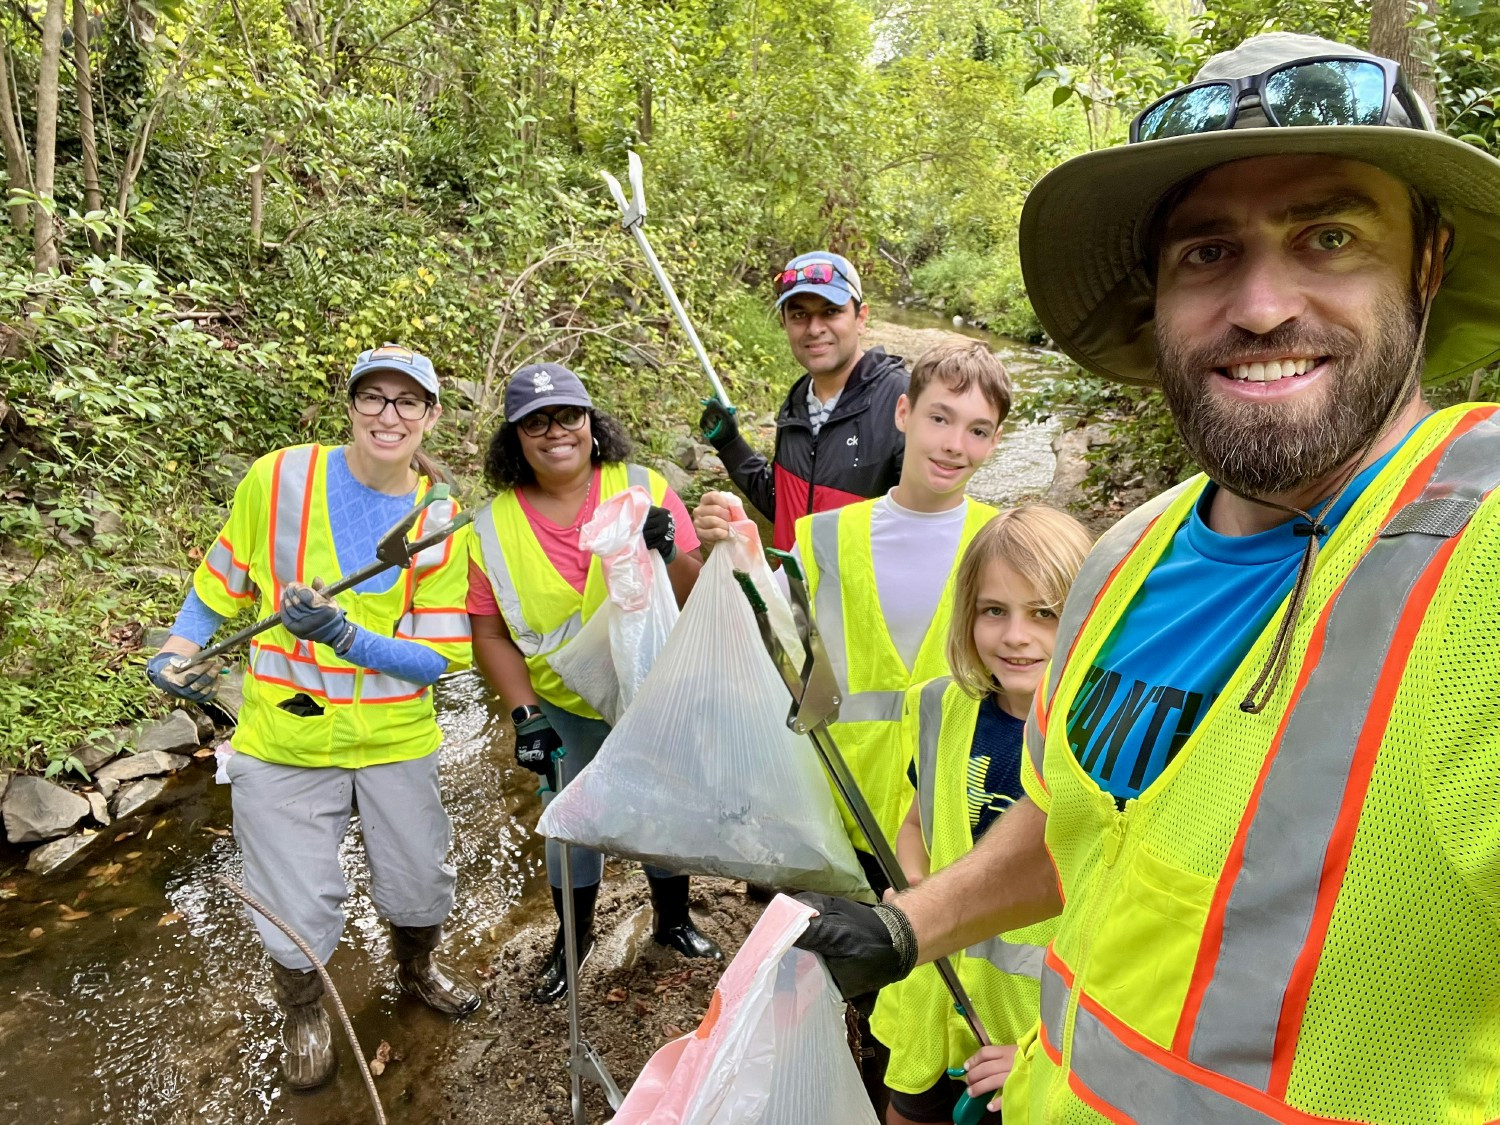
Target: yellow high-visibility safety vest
x=916 y=1017
x=836 y=554
x=542 y=610
x=278 y=532
x=1297 y=921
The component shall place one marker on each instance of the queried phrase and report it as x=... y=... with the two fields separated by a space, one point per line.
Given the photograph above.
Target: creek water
x=136 y=988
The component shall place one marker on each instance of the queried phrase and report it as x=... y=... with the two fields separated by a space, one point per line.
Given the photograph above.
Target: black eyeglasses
x=1327 y=90
x=570 y=418
x=372 y=404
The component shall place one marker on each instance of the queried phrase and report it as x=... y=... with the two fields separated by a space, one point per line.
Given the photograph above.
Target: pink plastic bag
x=771 y=1051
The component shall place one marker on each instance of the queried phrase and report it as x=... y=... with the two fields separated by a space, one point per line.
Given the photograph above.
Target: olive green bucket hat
x=1083 y=230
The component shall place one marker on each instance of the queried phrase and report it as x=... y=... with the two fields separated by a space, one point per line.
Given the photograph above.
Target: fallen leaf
x=215 y=831
x=168 y=918
x=206 y=752
x=134 y=855
x=123 y=912
x=641 y=1007
x=123 y=836
x=71 y=915
x=672 y=1031
x=616 y=996
x=36 y=932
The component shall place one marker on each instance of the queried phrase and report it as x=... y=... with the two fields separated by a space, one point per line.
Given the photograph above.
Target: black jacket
x=855 y=456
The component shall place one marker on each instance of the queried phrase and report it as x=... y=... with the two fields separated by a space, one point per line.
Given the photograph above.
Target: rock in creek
x=106 y=786
x=677 y=477
x=50 y=857
x=133 y=798
x=101 y=750
x=143 y=765
x=35 y=809
x=5 y=776
x=98 y=806
x=175 y=733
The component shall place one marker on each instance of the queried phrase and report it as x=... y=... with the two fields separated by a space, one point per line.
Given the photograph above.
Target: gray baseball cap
x=404 y=361
x=541 y=385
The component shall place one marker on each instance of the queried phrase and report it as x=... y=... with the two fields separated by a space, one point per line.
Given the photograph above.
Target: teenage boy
x=880 y=572
x=835 y=444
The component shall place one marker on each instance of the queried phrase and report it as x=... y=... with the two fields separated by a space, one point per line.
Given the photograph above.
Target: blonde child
x=964 y=734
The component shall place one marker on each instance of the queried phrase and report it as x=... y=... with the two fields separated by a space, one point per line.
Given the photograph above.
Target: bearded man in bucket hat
x=1263 y=769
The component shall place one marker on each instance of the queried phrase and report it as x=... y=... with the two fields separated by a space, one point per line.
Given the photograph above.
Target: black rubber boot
x=422 y=975
x=674 y=927
x=553 y=985
x=306 y=1032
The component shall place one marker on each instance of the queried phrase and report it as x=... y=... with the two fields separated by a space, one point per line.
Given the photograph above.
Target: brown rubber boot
x=422 y=975
x=306 y=1032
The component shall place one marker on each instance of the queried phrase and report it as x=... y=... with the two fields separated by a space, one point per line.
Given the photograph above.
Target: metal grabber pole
x=815 y=704
x=633 y=218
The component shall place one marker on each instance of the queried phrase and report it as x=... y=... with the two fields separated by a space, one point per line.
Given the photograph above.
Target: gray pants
x=290 y=820
x=581 y=739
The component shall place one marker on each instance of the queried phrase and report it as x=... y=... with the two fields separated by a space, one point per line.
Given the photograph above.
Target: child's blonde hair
x=1044 y=546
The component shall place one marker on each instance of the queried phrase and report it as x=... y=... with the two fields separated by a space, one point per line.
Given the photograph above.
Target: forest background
x=213 y=205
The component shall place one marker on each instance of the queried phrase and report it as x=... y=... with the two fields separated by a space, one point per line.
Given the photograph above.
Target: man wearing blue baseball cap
x=836 y=436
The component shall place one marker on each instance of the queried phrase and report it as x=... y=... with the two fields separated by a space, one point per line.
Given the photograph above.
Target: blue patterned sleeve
x=197 y=622
x=406 y=660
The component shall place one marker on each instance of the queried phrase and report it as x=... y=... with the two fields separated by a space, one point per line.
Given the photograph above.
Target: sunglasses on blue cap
x=1326 y=90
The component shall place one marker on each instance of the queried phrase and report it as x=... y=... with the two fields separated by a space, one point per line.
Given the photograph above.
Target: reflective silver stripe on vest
x=1054 y=1003
x=438 y=513
x=382 y=687
x=828 y=605
x=1011 y=957
x=1111 y=549
x=1142 y=1089
x=293 y=477
x=334 y=684
x=639 y=474
x=828 y=602
x=1270 y=910
x=527 y=639
x=236 y=578
x=1036 y=744
x=434 y=626
x=930 y=715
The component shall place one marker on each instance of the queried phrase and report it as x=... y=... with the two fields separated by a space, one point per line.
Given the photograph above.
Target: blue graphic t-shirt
x=993 y=781
x=1188 y=628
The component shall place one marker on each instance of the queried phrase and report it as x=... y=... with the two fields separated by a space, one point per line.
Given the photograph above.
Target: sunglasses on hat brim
x=816 y=273
x=1327 y=90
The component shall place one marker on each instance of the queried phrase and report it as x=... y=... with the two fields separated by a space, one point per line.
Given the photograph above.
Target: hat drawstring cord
x=1281 y=648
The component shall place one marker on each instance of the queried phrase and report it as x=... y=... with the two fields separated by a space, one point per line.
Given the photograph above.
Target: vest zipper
x=1100 y=896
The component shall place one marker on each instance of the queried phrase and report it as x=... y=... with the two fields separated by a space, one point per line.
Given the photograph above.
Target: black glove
x=718 y=424
x=536 y=742
x=660 y=534
x=864 y=947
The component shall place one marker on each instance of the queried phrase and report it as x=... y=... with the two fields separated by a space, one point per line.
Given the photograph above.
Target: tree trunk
x=44 y=241
x=643 y=114
x=1391 y=36
x=93 y=194
x=17 y=162
x=258 y=199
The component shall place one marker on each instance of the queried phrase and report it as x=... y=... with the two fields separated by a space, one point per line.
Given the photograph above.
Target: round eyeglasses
x=570 y=418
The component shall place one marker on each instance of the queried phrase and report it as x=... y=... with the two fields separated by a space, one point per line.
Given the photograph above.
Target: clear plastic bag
x=773 y=1049
x=607 y=662
x=701 y=775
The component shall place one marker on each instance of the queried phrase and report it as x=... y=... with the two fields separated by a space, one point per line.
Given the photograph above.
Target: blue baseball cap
x=540 y=385
x=837 y=282
x=404 y=361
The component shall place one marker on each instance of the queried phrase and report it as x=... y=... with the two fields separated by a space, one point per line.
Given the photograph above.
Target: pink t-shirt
x=562 y=549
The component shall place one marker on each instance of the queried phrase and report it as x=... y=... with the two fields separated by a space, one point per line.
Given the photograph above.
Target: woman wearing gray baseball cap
x=552 y=462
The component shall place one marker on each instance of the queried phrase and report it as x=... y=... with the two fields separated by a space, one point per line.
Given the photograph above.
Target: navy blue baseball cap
x=828 y=275
x=540 y=385
x=393 y=357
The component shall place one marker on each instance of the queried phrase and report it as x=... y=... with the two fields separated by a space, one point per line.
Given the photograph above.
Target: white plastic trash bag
x=608 y=660
x=773 y=1049
x=701 y=775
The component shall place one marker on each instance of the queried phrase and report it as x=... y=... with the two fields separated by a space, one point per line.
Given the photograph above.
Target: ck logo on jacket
x=853 y=440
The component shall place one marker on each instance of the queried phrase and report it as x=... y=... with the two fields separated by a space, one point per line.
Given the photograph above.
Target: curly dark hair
x=506 y=467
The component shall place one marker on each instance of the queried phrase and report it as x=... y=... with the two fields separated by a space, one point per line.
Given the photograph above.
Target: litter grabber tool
x=633 y=217
x=394 y=550
x=584 y=1063
x=815 y=704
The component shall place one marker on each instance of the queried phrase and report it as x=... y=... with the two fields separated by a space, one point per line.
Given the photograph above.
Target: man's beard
x=1262 y=449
